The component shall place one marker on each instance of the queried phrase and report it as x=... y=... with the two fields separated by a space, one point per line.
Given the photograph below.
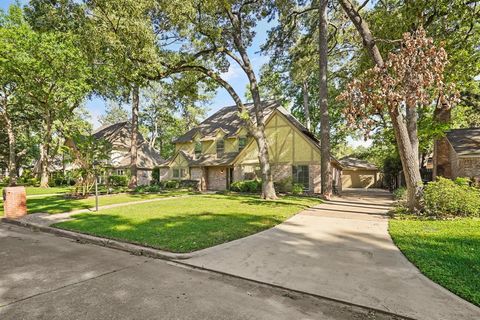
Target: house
x=458 y=154
x=220 y=151
x=119 y=135
x=359 y=173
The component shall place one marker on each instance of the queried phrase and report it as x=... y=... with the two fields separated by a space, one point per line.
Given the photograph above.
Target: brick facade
x=469 y=167
x=217 y=178
x=315 y=178
x=144 y=177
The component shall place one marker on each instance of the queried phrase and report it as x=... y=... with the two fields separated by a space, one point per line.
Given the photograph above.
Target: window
x=300 y=176
x=182 y=173
x=242 y=142
x=176 y=173
x=120 y=172
x=198 y=149
x=220 y=147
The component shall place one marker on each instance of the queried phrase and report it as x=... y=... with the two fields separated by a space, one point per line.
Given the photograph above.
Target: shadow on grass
x=452 y=260
x=173 y=233
x=281 y=201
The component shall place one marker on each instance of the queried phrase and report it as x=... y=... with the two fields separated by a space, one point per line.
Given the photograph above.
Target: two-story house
x=119 y=135
x=220 y=151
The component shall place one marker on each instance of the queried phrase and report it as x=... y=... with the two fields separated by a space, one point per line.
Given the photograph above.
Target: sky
x=235 y=76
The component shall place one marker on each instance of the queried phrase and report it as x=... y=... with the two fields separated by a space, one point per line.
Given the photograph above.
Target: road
x=43 y=276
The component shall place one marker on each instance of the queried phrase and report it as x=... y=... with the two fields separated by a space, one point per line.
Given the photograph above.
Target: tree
x=114 y=113
x=122 y=44
x=305 y=42
x=407 y=81
x=51 y=75
x=220 y=34
x=168 y=108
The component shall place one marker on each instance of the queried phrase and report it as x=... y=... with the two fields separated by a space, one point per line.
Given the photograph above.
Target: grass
x=34 y=191
x=446 y=251
x=60 y=203
x=189 y=224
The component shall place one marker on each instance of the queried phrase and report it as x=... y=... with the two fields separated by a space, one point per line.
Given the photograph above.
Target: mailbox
x=14 y=202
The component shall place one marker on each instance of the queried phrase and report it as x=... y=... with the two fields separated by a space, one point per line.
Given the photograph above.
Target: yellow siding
x=209 y=146
x=287 y=145
x=185 y=146
x=231 y=145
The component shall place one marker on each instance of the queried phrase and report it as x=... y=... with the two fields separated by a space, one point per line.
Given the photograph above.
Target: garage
x=358 y=173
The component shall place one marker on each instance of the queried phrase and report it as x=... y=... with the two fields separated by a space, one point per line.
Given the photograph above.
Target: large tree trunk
x=412 y=127
x=325 y=162
x=134 y=134
x=268 y=189
x=45 y=152
x=409 y=161
x=306 y=107
x=408 y=156
x=12 y=161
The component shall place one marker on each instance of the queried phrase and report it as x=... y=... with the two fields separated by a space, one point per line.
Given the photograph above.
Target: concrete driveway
x=340 y=250
x=47 y=277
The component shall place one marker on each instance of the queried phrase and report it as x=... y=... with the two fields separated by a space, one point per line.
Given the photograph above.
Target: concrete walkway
x=340 y=250
x=46 y=219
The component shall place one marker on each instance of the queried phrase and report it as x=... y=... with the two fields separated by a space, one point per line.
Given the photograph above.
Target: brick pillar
x=15 y=202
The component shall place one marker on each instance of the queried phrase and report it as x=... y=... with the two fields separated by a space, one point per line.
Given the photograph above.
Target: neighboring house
x=458 y=154
x=220 y=151
x=119 y=135
x=359 y=173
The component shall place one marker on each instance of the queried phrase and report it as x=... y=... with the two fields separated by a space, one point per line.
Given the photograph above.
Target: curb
x=176 y=258
x=109 y=243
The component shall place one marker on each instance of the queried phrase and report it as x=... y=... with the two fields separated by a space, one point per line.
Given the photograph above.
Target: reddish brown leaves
x=412 y=77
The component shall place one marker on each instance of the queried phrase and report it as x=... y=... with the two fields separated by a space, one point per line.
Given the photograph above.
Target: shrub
x=251 y=186
x=190 y=184
x=34 y=182
x=445 y=197
x=284 y=185
x=152 y=188
x=117 y=181
x=172 y=184
x=400 y=193
x=297 y=188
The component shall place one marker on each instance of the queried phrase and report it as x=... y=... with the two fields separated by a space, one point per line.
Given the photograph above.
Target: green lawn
x=446 y=251
x=60 y=203
x=41 y=191
x=189 y=224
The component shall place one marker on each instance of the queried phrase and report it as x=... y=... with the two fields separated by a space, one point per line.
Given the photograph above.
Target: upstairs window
x=220 y=147
x=198 y=149
x=300 y=175
x=242 y=142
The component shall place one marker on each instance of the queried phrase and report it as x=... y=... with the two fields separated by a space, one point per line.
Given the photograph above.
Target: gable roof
x=351 y=163
x=147 y=156
x=465 y=141
x=109 y=130
x=225 y=119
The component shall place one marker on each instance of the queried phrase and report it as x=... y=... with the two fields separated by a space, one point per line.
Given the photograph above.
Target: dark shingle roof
x=465 y=141
x=147 y=156
x=350 y=163
x=108 y=131
x=226 y=119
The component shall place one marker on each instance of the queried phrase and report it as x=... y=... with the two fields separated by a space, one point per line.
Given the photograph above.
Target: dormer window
x=242 y=142
x=220 y=147
x=198 y=149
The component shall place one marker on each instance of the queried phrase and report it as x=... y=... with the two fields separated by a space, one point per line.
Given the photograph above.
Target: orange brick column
x=14 y=202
